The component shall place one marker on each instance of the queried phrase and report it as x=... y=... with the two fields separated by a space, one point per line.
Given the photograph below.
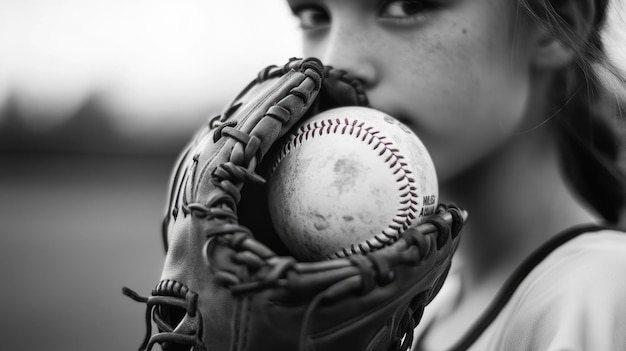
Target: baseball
x=349 y=181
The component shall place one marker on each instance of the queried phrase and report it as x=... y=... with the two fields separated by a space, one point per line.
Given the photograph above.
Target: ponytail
x=589 y=148
x=589 y=142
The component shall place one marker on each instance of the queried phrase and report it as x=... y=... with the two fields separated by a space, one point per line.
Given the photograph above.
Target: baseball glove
x=228 y=283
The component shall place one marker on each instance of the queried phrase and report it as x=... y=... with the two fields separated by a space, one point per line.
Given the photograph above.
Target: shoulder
x=585 y=261
x=591 y=252
x=573 y=299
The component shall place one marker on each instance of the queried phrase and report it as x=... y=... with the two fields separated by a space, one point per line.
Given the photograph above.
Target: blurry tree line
x=90 y=130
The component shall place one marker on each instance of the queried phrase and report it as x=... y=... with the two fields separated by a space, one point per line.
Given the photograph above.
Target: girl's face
x=456 y=71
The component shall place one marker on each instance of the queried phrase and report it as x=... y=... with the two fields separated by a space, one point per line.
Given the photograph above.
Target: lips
x=394 y=106
x=411 y=122
x=404 y=120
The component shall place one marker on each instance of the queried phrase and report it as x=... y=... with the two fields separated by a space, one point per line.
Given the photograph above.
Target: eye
x=405 y=9
x=311 y=16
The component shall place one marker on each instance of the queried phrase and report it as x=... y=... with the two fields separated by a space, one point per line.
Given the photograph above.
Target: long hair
x=588 y=140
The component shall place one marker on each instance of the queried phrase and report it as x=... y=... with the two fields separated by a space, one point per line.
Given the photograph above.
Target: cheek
x=479 y=111
x=466 y=97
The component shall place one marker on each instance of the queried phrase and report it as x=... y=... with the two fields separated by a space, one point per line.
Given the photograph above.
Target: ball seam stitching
x=407 y=207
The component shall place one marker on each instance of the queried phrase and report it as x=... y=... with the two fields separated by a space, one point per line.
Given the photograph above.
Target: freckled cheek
x=462 y=99
x=447 y=85
x=481 y=75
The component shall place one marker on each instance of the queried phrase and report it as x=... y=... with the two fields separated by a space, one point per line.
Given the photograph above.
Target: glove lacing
x=375 y=271
x=180 y=297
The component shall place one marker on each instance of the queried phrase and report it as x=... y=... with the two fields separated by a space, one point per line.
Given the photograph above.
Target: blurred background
x=97 y=97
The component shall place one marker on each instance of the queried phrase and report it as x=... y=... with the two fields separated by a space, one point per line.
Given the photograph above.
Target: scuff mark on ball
x=320 y=222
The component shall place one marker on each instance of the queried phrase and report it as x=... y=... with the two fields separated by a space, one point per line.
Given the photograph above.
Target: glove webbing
x=246 y=152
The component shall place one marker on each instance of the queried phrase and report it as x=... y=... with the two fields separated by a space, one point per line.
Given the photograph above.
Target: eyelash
x=313 y=16
x=400 y=5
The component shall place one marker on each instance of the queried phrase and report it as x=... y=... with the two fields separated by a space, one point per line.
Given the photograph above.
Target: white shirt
x=573 y=300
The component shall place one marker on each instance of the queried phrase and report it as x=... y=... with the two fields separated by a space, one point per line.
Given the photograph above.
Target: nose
x=348 y=48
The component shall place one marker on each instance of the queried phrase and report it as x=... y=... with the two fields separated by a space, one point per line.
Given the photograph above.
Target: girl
x=506 y=96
